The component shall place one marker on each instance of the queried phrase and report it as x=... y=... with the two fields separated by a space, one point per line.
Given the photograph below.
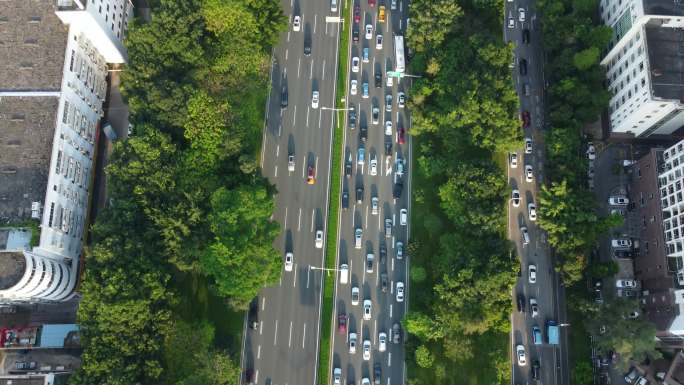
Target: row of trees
x=188 y=203
x=573 y=43
x=464 y=119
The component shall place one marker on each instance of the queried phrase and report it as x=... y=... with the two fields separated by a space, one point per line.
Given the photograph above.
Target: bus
x=399 y=54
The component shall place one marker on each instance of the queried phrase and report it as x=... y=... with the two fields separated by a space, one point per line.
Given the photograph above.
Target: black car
x=378 y=79
x=521 y=303
x=345 y=199
x=355 y=33
x=253 y=315
x=622 y=254
x=383 y=253
x=307 y=41
x=535 y=369
x=396 y=333
x=377 y=373
x=384 y=282
x=359 y=195
x=388 y=145
x=352 y=118
x=526 y=36
x=398 y=188
x=348 y=166
x=522 y=65
x=363 y=132
x=283 y=97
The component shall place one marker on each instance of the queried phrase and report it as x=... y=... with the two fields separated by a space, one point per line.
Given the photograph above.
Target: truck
x=552 y=331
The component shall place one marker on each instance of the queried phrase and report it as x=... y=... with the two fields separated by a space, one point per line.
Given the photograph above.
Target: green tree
x=603 y=269
x=242 y=259
x=422 y=326
x=424 y=358
x=417 y=274
x=582 y=373
x=431 y=22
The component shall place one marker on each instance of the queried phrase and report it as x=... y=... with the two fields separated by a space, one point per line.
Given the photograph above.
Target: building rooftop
x=27 y=127
x=666 y=58
x=663 y=7
x=12 y=266
x=34 y=40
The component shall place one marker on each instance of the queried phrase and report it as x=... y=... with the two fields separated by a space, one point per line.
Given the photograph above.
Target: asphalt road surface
x=385 y=308
x=283 y=349
x=546 y=290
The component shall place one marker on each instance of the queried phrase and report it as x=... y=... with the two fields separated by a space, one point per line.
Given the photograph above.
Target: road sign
x=394 y=74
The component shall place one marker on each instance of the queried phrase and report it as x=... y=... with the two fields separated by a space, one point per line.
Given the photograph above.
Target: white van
x=344 y=273
x=333 y=5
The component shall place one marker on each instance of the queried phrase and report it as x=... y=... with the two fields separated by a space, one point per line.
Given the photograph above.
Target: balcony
x=70 y=5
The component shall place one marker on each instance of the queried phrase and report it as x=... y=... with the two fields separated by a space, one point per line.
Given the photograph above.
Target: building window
x=65 y=113
x=58 y=163
x=52 y=212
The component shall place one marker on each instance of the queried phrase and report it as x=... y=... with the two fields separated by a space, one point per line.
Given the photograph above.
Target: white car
x=400 y=291
x=358 y=234
x=388 y=128
x=401 y=100
x=534 y=307
x=532 y=211
x=403 y=217
x=393 y=5
x=319 y=239
x=367 y=309
x=591 y=152
x=365 y=381
x=382 y=341
x=289 y=261
x=290 y=163
x=355 y=296
x=625 y=283
x=337 y=375
x=374 y=205
x=529 y=175
x=296 y=23
x=528 y=145
x=354 y=87
x=520 y=352
x=621 y=243
x=369 y=31
x=366 y=350
x=515 y=198
x=378 y=42
x=355 y=64
x=375 y=115
x=373 y=165
x=532 y=270
x=352 y=343
x=511 y=22
x=314 y=99
x=514 y=160
x=521 y=14
x=618 y=201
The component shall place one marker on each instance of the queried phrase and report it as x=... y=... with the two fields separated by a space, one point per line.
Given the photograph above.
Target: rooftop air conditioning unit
x=35 y=210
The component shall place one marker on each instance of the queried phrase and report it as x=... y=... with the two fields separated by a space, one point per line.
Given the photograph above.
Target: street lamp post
x=337 y=109
x=323 y=268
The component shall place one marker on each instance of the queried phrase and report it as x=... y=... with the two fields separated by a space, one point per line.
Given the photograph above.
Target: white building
x=51 y=97
x=644 y=65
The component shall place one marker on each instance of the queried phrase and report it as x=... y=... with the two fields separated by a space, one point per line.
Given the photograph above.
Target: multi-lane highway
x=377 y=207
x=283 y=346
x=522 y=27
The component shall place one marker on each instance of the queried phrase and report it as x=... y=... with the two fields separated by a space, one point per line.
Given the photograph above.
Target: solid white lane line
x=285 y=225
x=323 y=69
x=299 y=66
x=375 y=331
x=315 y=22
x=311 y=69
x=289 y=342
x=354 y=216
x=307 y=115
x=304 y=336
x=275 y=335
x=320 y=116
x=316 y=166
x=303 y=166
x=313 y=215
x=294 y=281
x=299 y=220
x=294 y=116
x=366 y=224
x=307 y=277
x=379 y=217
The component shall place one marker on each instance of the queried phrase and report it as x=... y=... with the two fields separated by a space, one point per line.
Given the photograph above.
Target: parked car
x=621 y=243
x=521 y=303
x=534 y=307
x=400 y=291
x=626 y=283
x=520 y=353
x=399 y=247
x=532 y=211
x=528 y=145
x=514 y=159
x=618 y=200
x=525 y=117
x=529 y=174
x=515 y=197
x=622 y=254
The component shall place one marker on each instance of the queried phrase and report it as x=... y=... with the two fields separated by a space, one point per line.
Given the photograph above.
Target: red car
x=311 y=175
x=342 y=324
x=525 y=118
x=371 y=3
x=401 y=135
x=357 y=13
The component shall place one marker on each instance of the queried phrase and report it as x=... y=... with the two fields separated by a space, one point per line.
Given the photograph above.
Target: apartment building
x=644 y=65
x=52 y=92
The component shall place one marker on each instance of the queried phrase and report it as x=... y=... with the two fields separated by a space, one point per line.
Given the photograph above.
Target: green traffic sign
x=394 y=74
